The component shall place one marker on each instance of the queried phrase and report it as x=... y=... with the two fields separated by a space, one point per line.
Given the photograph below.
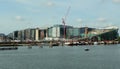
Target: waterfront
x=66 y=57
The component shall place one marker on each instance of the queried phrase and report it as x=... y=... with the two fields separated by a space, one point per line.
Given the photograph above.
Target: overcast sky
x=22 y=14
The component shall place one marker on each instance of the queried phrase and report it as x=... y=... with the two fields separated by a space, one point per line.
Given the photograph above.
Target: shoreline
x=57 y=43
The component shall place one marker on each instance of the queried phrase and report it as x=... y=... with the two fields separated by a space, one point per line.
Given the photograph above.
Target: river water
x=98 y=57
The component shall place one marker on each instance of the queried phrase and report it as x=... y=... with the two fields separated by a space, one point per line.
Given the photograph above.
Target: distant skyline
x=22 y=14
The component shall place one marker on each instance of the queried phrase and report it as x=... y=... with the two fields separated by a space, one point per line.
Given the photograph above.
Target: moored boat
x=8 y=48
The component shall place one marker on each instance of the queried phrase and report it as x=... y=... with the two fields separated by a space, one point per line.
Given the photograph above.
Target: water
x=98 y=57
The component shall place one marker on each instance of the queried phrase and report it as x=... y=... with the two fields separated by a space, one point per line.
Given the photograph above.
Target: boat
x=55 y=44
x=86 y=49
x=8 y=48
x=95 y=43
x=72 y=43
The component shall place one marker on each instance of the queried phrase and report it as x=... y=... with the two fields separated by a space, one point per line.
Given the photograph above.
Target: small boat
x=86 y=49
x=54 y=44
x=29 y=47
x=95 y=43
x=8 y=48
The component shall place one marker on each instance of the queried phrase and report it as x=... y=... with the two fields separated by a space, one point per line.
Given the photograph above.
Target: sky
x=22 y=14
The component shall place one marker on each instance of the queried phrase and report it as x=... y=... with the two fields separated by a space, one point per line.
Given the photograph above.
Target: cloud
x=34 y=10
x=23 y=1
x=19 y=18
x=30 y=3
x=79 y=20
x=116 y=1
x=50 y=4
x=102 y=1
x=101 y=20
x=36 y=2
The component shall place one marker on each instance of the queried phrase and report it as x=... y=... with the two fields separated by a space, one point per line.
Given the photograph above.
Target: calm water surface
x=99 y=57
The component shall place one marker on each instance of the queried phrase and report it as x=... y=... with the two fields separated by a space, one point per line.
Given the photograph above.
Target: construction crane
x=64 y=20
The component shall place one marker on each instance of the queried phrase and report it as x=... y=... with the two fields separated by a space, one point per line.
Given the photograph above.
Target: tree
x=119 y=38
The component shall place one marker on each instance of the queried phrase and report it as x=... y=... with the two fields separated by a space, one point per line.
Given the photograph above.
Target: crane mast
x=64 y=21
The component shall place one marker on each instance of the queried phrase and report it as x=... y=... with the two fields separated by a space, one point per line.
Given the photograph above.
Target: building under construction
x=94 y=34
x=58 y=32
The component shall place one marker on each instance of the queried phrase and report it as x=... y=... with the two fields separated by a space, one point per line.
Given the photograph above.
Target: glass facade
x=76 y=32
x=49 y=32
x=111 y=35
x=58 y=31
x=32 y=37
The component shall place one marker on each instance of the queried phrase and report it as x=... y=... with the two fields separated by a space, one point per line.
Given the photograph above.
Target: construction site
x=63 y=34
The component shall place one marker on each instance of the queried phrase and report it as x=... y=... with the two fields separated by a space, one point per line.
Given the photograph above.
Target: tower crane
x=64 y=21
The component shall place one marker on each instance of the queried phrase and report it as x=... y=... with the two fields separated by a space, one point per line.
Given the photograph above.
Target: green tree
x=119 y=38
